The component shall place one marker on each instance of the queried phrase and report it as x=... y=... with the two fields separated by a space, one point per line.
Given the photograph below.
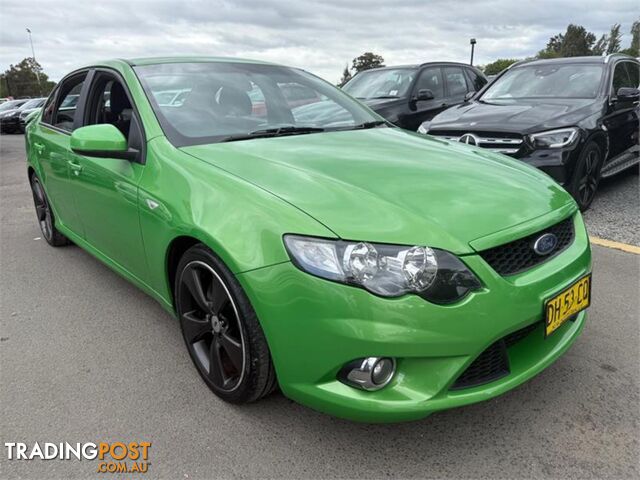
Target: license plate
x=566 y=304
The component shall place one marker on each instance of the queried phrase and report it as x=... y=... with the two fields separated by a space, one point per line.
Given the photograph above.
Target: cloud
x=318 y=36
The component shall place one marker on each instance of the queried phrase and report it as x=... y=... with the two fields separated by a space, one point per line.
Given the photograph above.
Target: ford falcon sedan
x=368 y=272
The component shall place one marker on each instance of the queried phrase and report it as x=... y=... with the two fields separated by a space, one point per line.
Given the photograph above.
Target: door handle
x=75 y=167
x=39 y=147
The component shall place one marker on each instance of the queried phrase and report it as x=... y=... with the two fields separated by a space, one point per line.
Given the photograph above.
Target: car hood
x=391 y=186
x=516 y=116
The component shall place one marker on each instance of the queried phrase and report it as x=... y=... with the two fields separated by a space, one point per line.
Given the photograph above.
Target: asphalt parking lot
x=87 y=357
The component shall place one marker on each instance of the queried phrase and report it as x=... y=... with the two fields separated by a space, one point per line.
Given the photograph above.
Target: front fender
x=180 y=195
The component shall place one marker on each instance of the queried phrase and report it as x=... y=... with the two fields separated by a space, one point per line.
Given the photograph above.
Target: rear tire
x=46 y=219
x=586 y=176
x=221 y=330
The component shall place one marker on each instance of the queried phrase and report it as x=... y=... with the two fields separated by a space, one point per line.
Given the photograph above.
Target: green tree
x=366 y=61
x=575 y=42
x=634 y=48
x=498 y=65
x=21 y=80
x=608 y=43
x=346 y=76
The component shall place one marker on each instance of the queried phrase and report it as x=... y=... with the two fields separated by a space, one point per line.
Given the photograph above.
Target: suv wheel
x=586 y=176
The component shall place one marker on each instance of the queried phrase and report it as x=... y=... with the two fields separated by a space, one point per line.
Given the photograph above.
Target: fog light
x=371 y=373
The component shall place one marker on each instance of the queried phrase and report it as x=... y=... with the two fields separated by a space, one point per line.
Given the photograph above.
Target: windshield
x=211 y=102
x=35 y=103
x=386 y=83
x=11 y=104
x=547 y=81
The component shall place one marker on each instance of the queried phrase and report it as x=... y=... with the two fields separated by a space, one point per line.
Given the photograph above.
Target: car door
x=622 y=118
x=429 y=78
x=51 y=142
x=106 y=189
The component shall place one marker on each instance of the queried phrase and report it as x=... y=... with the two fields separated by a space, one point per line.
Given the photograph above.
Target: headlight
x=554 y=138
x=424 y=127
x=386 y=270
x=8 y=114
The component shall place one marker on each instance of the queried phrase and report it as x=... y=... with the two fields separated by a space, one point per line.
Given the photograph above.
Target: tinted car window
x=65 y=113
x=47 y=110
x=620 y=77
x=431 y=79
x=633 y=71
x=477 y=82
x=385 y=83
x=456 y=83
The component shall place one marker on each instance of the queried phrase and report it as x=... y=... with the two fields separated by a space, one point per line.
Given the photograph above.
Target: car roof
x=593 y=59
x=191 y=59
x=417 y=65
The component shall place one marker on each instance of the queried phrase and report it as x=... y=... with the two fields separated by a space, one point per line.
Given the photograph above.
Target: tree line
x=26 y=79
x=575 y=42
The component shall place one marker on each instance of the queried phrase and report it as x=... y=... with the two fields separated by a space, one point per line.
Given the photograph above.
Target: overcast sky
x=318 y=36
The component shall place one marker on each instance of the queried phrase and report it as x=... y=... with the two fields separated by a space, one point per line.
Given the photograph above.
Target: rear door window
x=456 y=82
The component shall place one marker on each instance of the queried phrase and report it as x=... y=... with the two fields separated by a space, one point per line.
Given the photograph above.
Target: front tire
x=586 y=176
x=46 y=220
x=221 y=330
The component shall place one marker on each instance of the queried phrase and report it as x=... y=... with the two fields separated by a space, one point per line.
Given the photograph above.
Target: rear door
x=61 y=115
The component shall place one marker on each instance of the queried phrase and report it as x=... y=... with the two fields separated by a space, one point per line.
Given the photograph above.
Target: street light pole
x=33 y=55
x=473 y=44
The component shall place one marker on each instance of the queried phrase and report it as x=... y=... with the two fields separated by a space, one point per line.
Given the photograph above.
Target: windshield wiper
x=383 y=96
x=273 y=132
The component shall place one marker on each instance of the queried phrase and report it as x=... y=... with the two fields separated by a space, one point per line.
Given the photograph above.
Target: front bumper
x=558 y=163
x=11 y=123
x=314 y=327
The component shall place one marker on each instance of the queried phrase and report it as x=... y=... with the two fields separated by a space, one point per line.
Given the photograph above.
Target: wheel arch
x=176 y=249
x=601 y=139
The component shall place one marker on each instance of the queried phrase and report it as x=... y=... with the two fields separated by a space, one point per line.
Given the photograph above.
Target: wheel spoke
x=194 y=328
x=218 y=296
x=193 y=281
x=233 y=348
x=216 y=373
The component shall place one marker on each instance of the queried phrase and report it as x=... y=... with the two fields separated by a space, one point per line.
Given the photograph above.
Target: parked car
x=370 y=272
x=411 y=94
x=28 y=108
x=574 y=118
x=8 y=108
x=10 y=116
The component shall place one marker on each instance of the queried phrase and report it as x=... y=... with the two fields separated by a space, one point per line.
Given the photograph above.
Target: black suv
x=410 y=94
x=574 y=118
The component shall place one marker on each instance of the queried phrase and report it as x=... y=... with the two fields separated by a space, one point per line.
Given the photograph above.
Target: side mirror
x=425 y=94
x=627 y=94
x=469 y=96
x=103 y=140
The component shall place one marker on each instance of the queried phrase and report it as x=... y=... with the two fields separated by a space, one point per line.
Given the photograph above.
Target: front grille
x=493 y=363
x=518 y=256
x=501 y=142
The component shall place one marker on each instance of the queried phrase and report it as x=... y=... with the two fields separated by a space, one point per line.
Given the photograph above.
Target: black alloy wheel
x=220 y=329
x=586 y=176
x=45 y=215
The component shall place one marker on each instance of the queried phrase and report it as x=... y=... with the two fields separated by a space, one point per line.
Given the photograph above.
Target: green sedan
x=304 y=243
